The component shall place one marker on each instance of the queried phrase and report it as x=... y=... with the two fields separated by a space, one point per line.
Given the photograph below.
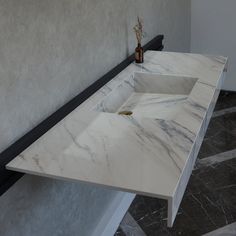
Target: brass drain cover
x=125 y=113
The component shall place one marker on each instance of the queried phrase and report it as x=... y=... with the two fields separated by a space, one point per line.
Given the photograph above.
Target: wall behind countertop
x=51 y=50
x=213 y=31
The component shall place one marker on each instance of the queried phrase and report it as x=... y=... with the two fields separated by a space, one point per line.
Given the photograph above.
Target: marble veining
x=224 y=111
x=229 y=230
x=143 y=153
x=215 y=159
x=209 y=200
x=130 y=227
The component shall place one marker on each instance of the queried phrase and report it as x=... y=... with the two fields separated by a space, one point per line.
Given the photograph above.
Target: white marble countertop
x=149 y=156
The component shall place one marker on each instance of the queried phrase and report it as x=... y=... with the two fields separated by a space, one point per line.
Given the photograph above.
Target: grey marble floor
x=228 y=230
x=210 y=199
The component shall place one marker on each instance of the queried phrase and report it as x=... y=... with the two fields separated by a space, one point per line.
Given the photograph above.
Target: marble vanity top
x=152 y=152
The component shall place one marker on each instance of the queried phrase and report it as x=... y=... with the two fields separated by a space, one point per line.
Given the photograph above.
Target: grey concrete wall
x=50 y=50
x=213 y=31
x=43 y=207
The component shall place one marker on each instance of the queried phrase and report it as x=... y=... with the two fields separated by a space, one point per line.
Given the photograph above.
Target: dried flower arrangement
x=138 y=29
x=139 y=52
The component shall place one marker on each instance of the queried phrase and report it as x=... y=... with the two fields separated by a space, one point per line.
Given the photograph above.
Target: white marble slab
x=152 y=155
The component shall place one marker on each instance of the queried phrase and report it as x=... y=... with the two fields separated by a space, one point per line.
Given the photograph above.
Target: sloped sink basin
x=148 y=95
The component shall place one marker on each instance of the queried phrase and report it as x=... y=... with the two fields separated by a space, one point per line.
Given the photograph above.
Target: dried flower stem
x=138 y=29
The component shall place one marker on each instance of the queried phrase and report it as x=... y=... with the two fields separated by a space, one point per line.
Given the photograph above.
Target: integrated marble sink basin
x=151 y=152
x=148 y=95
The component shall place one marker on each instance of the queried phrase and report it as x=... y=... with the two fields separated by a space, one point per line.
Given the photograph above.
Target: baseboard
x=114 y=214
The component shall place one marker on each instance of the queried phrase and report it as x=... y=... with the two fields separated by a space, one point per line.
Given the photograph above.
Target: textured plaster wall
x=39 y=207
x=50 y=50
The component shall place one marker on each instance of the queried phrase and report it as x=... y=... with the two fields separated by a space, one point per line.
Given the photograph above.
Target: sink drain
x=125 y=113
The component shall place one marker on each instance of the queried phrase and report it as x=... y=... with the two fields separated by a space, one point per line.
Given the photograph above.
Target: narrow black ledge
x=8 y=178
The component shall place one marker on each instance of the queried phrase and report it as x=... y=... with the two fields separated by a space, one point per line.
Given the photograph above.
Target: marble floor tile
x=130 y=227
x=208 y=149
x=119 y=232
x=220 y=136
x=226 y=100
x=224 y=141
x=229 y=230
x=215 y=159
x=215 y=127
x=149 y=213
x=224 y=112
x=227 y=121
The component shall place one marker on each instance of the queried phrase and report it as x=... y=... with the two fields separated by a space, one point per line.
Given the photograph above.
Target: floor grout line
x=130 y=227
x=223 y=112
